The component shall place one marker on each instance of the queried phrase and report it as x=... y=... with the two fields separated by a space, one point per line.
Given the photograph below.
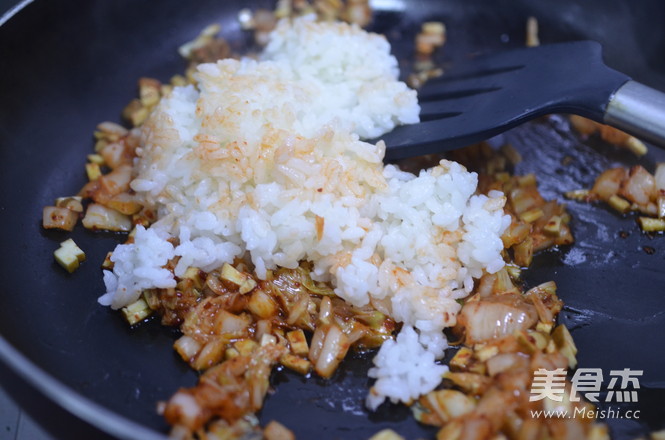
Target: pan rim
x=70 y=400
x=18 y=7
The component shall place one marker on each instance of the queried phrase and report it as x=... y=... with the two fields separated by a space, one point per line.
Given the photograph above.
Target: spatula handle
x=639 y=110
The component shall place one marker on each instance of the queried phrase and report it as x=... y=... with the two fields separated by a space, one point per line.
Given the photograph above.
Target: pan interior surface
x=70 y=65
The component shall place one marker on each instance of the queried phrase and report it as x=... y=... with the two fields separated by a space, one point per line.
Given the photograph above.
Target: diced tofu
x=296 y=363
x=619 y=204
x=69 y=255
x=298 y=342
x=553 y=226
x=136 y=311
x=245 y=347
x=649 y=224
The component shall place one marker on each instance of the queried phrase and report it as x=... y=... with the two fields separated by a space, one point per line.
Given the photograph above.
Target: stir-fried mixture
x=280 y=238
x=631 y=190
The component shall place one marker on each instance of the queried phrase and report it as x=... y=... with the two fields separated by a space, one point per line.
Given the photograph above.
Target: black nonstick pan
x=65 y=66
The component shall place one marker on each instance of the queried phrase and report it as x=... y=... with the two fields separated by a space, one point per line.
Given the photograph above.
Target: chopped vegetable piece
x=329 y=350
x=99 y=217
x=659 y=177
x=485 y=352
x=242 y=281
x=532 y=39
x=661 y=207
x=125 y=203
x=448 y=404
x=656 y=435
x=577 y=194
x=296 y=363
x=524 y=252
x=135 y=113
x=514 y=271
x=503 y=362
x=526 y=341
x=532 y=215
x=96 y=158
x=93 y=171
x=613 y=135
x=73 y=203
x=178 y=81
x=298 y=342
x=386 y=434
x=136 y=311
x=527 y=180
x=231 y=353
x=649 y=224
x=276 y=431
x=212 y=353
x=107 y=263
x=619 y=204
x=600 y=432
x=69 y=255
x=109 y=128
x=226 y=323
x=462 y=359
x=608 y=183
x=196 y=275
x=564 y=342
x=636 y=146
x=187 y=347
x=268 y=340
x=544 y=327
x=584 y=126
x=201 y=40
x=245 y=347
x=59 y=218
x=640 y=187
x=114 y=183
x=472 y=383
x=553 y=226
x=149 y=91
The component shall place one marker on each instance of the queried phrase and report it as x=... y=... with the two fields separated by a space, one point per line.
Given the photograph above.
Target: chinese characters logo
x=587 y=382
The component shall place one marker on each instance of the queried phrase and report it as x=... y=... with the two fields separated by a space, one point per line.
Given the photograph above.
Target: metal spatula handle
x=639 y=110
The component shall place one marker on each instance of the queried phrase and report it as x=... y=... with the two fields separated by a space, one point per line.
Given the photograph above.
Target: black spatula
x=490 y=94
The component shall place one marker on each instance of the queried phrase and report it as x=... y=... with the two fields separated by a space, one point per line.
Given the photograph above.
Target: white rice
x=245 y=165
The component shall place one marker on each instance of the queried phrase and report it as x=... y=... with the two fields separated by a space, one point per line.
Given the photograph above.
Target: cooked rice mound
x=265 y=161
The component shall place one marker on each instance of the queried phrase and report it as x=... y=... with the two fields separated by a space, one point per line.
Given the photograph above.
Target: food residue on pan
x=270 y=233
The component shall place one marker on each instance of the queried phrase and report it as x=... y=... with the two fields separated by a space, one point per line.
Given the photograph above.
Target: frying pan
x=68 y=65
